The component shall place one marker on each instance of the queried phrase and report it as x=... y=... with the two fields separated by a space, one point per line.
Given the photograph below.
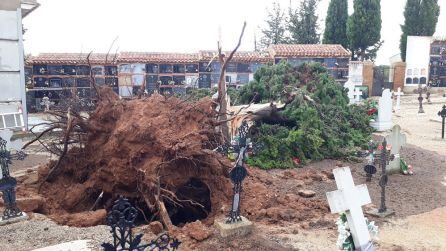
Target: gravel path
x=40 y=232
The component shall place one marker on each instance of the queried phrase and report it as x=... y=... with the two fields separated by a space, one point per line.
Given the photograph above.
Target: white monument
x=349 y=199
x=357 y=93
x=397 y=140
x=398 y=95
x=384 y=120
x=350 y=86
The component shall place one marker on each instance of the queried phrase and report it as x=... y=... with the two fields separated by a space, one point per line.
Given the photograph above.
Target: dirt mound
x=142 y=149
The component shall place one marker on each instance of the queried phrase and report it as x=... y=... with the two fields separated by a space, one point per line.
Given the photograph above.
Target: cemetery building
x=58 y=75
x=425 y=61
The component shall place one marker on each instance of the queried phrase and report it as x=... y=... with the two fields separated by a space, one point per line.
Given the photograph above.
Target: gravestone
x=350 y=86
x=420 y=91
x=398 y=95
x=383 y=121
x=396 y=140
x=383 y=159
x=235 y=224
x=351 y=198
x=11 y=213
x=357 y=94
x=121 y=219
x=442 y=114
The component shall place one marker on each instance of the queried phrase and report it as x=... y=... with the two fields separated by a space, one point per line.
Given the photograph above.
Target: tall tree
x=364 y=29
x=420 y=19
x=303 y=23
x=411 y=24
x=336 y=23
x=429 y=13
x=274 y=33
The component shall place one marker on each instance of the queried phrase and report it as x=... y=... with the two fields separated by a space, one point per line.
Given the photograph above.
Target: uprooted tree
x=315 y=121
x=157 y=151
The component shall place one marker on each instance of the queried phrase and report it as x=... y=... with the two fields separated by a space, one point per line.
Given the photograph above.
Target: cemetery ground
x=288 y=207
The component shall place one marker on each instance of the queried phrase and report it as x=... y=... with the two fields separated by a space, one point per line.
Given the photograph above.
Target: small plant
x=345 y=239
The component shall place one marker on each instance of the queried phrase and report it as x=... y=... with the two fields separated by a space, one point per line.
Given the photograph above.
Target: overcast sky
x=174 y=25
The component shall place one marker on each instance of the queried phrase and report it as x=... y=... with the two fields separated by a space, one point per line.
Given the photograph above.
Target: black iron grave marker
x=8 y=183
x=238 y=173
x=420 y=91
x=383 y=159
x=370 y=168
x=442 y=114
x=121 y=219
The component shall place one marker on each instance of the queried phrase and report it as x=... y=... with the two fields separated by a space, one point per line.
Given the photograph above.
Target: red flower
x=296 y=160
x=372 y=111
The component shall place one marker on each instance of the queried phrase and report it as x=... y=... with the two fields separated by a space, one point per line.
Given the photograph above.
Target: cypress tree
x=429 y=12
x=411 y=24
x=420 y=19
x=336 y=23
x=274 y=33
x=303 y=23
x=364 y=29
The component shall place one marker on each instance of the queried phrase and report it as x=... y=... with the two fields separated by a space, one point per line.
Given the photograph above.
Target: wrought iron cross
x=370 y=168
x=121 y=219
x=383 y=160
x=442 y=114
x=238 y=174
x=420 y=91
x=8 y=183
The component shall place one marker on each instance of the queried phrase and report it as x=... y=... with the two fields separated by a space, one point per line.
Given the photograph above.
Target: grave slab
x=79 y=245
x=14 y=220
x=240 y=228
x=376 y=213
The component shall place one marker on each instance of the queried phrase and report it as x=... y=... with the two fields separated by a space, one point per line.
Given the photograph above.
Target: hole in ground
x=193 y=190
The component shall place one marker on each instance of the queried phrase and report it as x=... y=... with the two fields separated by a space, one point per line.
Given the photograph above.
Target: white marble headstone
x=384 y=119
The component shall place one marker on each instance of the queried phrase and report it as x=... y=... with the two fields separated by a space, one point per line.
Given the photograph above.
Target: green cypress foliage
x=303 y=23
x=336 y=23
x=316 y=123
x=364 y=29
x=420 y=19
x=274 y=33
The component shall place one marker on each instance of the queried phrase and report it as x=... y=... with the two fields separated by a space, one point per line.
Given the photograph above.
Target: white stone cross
x=396 y=140
x=350 y=86
x=350 y=198
x=357 y=93
x=398 y=95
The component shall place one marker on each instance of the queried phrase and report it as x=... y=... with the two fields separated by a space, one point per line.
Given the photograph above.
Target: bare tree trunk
x=222 y=92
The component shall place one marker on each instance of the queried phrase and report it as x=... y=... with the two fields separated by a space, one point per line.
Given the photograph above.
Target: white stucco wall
x=417 y=58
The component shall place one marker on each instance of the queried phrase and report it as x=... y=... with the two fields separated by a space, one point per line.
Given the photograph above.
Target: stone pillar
x=367 y=75
x=399 y=72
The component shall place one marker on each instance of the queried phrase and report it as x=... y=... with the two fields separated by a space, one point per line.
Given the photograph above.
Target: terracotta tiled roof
x=72 y=58
x=308 y=50
x=240 y=56
x=157 y=57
